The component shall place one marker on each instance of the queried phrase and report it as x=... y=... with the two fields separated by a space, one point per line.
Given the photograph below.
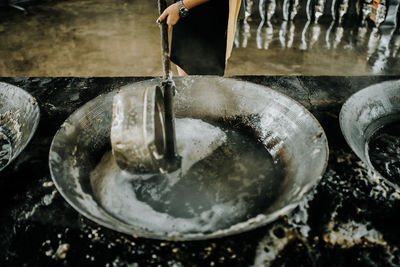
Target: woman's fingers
x=163 y=16
x=170 y=22
x=171 y=14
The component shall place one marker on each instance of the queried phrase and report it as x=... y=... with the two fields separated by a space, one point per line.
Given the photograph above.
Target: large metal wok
x=286 y=129
x=19 y=118
x=367 y=111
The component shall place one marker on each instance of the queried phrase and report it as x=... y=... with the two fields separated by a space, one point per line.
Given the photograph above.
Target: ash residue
x=249 y=125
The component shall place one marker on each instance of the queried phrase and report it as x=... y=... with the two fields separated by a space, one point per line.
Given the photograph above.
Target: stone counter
x=351 y=218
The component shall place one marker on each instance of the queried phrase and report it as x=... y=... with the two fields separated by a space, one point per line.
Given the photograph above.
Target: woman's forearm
x=172 y=12
x=192 y=3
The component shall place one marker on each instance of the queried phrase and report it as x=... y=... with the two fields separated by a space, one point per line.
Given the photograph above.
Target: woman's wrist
x=184 y=2
x=187 y=4
x=192 y=3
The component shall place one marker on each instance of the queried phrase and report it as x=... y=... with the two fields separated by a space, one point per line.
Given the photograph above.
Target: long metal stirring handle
x=166 y=64
x=168 y=85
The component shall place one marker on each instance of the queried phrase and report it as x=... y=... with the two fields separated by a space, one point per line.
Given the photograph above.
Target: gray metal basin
x=367 y=111
x=286 y=129
x=19 y=118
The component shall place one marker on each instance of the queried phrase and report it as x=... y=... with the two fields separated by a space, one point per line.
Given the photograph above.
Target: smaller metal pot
x=137 y=129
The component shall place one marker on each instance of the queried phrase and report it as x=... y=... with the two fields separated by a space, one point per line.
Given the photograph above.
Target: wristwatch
x=183 y=11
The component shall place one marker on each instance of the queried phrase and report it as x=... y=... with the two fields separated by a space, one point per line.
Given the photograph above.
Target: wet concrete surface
x=81 y=38
x=350 y=219
x=120 y=38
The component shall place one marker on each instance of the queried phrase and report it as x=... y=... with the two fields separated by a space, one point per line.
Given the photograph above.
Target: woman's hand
x=171 y=13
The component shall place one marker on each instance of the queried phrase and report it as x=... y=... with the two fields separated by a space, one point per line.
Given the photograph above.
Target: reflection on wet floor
x=107 y=38
x=336 y=48
x=331 y=37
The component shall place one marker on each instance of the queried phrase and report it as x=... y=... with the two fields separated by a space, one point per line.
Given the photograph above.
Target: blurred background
x=274 y=37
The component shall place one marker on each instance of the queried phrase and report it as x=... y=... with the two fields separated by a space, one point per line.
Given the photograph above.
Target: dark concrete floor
x=120 y=38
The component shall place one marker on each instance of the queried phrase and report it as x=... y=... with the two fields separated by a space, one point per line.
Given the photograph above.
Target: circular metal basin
x=291 y=136
x=19 y=118
x=367 y=111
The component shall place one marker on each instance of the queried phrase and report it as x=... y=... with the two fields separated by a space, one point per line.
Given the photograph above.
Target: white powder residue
x=10 y=120
x=113 y=187
x=272 y=244
x=352 y=233
x=5 y=149
x=196 y=140
x=45 y=201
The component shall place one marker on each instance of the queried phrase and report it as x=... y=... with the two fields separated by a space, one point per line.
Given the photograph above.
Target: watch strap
x=183 y=11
